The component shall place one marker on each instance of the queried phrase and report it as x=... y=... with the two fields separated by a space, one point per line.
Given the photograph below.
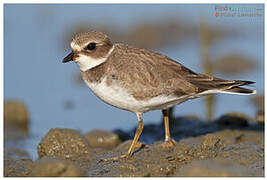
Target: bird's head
x=89 y=49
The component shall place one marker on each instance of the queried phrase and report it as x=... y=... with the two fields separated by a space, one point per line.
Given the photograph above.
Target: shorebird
x=140 y=80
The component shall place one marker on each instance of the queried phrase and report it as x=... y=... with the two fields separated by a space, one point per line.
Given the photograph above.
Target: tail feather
x=209 y=85
x=235 y=89
x=243 y=83
x=239 y=90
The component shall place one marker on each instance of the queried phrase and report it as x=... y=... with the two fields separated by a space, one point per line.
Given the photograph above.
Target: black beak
x=68 y=57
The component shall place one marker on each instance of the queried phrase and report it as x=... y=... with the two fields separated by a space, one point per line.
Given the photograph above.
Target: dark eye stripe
x=91 y=46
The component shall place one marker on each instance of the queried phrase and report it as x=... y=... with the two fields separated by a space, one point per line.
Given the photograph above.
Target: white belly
x=119 y=97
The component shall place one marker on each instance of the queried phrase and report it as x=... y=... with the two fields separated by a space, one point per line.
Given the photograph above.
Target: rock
x=229 y=137
x=214 y=168
x=103 y=139
x=14 y=133
x=233 y=119
x=14 y=167
x=64 y=143
x=16 y=114
x=127 y=167
x=211 y=141
x=53 y=167
x=124 y=147
x=242 y=155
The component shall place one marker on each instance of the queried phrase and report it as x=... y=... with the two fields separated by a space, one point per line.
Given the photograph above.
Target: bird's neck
x=96 y=74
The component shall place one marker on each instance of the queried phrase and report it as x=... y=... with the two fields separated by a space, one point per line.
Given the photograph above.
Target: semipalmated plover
x=140 y=80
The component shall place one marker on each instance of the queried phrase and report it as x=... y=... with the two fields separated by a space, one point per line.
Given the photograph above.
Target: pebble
x=16 y=114
x=103 y=139
x=214 y=168
x=63 y=143
x=53 y=167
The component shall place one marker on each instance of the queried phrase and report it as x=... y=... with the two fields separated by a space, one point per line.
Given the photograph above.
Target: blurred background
x=204 y=38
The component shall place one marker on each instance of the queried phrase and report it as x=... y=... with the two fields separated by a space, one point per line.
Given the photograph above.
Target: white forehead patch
x=75 y=47
x=87 y=62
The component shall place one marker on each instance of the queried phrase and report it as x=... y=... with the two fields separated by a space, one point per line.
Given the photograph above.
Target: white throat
x=86 y=62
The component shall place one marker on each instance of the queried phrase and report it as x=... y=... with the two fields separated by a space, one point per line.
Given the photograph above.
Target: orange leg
x=168 y=141
x=138 y=132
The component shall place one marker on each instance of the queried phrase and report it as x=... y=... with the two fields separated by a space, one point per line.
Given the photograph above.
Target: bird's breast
x=115 y=95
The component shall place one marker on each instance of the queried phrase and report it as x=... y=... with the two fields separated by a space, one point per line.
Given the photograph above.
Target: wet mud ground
x=232 y=145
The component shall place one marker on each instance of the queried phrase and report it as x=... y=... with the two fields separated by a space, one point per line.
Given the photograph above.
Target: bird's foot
x=169 y=143
x=117 y=158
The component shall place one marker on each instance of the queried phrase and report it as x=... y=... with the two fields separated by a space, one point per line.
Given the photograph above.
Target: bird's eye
x=91 y=46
